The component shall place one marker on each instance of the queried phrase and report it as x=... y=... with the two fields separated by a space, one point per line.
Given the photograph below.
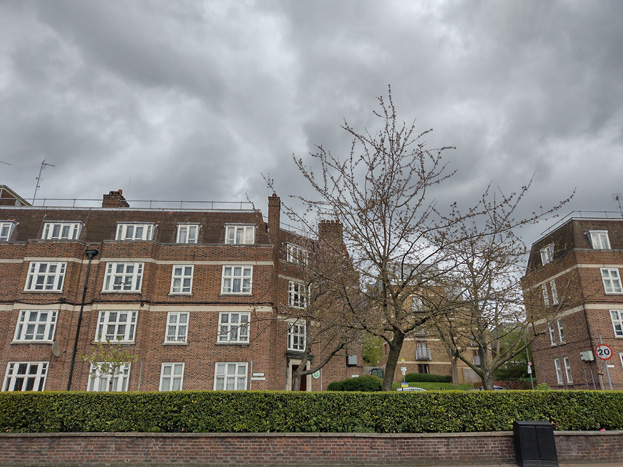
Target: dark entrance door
x=303 y=379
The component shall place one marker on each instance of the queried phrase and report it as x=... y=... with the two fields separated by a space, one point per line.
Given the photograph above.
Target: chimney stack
x=115 y=199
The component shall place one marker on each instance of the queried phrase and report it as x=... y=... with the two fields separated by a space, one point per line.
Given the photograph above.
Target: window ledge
x=114 y=342
x=240 y=344
x=31 y=342
x=175 y=343
x=184 y=294
x=235 y=294
x=43 y=291
x=137 y=292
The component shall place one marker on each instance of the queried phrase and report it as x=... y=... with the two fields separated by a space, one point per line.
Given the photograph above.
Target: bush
x=427 y=378
x=365 y=383
x=337 y=412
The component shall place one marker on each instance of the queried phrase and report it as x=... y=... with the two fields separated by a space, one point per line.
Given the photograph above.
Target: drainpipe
x=90 y=252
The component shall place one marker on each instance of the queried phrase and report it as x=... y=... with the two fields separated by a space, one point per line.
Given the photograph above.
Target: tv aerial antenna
x=44 y=164
x=618 y=197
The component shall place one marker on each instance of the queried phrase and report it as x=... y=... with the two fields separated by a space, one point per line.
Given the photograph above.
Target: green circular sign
x=316 y=374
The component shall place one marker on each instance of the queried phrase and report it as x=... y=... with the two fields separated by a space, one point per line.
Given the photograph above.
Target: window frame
x=121 y=377
x=232 y=277
x=599 y=239
x=225 y=376
x=177 y=326
x=296 y=254
x=561 y=331
x=298 y=294
x=552 y=286
x=612 y=280
x=617 y=323
x=11 y=377
x=545 y=294
x=136 y=277
x=33 y=275
x=128 y=335
x=73 y=233
x=297 y=336
x=147 y=234
x=9 y=227
x=547 y=254
x=422 y=351
x=24 y=321
x=232 y=236
x=190 y=239
x=233 y=333
x=552 y=334
x=180 y=288
x=172 y=376
x=567 y=366
x=558 y=369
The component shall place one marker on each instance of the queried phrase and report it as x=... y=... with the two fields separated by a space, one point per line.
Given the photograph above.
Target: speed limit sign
x=604 y=351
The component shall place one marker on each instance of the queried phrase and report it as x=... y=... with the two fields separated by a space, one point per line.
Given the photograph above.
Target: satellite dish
x=56 y=349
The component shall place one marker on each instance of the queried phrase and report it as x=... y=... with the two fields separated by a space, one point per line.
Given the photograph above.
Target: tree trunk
x=395 y=346
x=487 y=379
x=455 y=370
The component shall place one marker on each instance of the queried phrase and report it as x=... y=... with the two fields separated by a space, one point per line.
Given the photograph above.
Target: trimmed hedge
x=365 y=383
x=427 y=378
x=385 y=412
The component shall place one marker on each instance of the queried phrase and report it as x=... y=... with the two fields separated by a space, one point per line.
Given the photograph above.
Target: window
x=552 y=285
x=177 y=327
x=25 y=376
x=547 y=254
x=599 y=239
x=296 y=336
x=545 y=296
x=297 y=294
x=102 y=380
x=233 y=328
x=611 y=280
x=617 y=322
x=171 y=376
x=187 y=233
x=296 y=254
x=45 y=277
x=116 y=326
x=422 y=352
x=561 y=332
x=230 y=376
x=35 y=325
x=423 y=368
x=123 y=277
x=558 y=371
x=237 y=279
x=182 y=279
x=567 y=364
x=132 y=231
x=61 y=230
x=6 y=230
x=239 y=234
x=552 y=335
x=416 y=303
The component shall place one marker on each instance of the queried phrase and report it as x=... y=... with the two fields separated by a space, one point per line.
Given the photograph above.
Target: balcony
x=476 y=360
x=422 y=354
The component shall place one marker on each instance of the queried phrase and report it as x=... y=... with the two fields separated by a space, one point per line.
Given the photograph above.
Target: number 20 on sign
x=603 y=351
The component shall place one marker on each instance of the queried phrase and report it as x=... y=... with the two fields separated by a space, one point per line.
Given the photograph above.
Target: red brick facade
x=265 y=362
x=587 y=258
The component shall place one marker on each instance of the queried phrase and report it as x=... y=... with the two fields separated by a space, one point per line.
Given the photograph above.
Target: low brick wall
x=53 y=449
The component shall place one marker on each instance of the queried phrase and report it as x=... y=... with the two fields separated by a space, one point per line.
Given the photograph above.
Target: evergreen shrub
x=365 y=383
x=427 y=378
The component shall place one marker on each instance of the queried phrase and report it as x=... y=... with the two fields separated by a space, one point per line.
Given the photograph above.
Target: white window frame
x=123 y=277
x=111 y=327
x=422 y=351
x=177 y=327
x=599 y=239
x=545 y=296
x=187 y=233
x=171 y=376
x=45 y=276
x=233 y=327
x=227 y=380
x=6 y=230
x=296 y=254
x=239 y=234
x=416 y=303
x=567 y=365
x=135 y=231
x=552 y=285
x=616 y=316
x=182 y=279
x=30 y=381
x=297 y=334
x=611 y=280
x=36 y=326
x=236 y=281
x=552 y=335
x=99 y=382
x=558 y=369
x=547 y=254
x=561 y=331
x=61 y=230
x=298 y=292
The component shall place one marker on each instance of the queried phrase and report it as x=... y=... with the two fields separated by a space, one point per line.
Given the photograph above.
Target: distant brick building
x=573 y=292
x=201 y=297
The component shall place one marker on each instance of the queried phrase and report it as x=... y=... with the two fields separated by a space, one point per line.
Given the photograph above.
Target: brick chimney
x=115 y=199
x=331 y=231
x=274 y=217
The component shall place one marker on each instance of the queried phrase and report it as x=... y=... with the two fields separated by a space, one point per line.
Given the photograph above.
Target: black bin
x=534 y=444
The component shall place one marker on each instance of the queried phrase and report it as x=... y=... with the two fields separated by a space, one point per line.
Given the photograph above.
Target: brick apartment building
x=200 y=296
x=573 y=292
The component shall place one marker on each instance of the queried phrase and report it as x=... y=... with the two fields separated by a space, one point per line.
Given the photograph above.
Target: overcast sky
x=194 y=100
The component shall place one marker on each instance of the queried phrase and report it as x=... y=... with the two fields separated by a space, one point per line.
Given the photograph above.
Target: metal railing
x=423 y=354
x=89 y=203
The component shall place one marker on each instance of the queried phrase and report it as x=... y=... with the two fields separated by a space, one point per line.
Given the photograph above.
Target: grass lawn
x=437 y=386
